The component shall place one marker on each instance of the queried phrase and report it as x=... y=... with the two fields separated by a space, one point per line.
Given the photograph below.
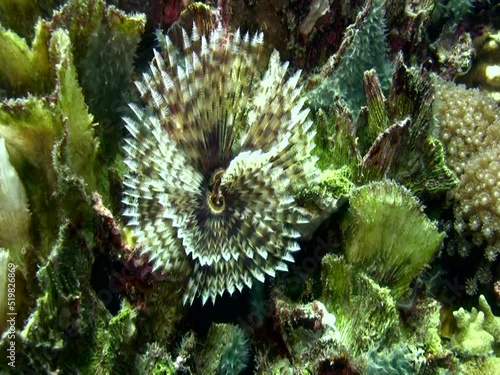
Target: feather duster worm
x=213 y=160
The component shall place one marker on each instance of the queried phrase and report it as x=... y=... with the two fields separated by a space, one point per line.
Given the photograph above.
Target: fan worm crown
x=211 y=163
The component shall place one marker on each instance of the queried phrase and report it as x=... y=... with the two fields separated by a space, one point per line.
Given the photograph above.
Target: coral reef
x=350 y=295
x=393 y=138
x=454 y=10
x=471 y=339
x=70 y=318
x=155 y=361
x=208 y=188
x=115 y=218
x=480 y=366
x=19 y=16
x=302 y=326
x=470 y=129
x=478 y=200
x=24 y=69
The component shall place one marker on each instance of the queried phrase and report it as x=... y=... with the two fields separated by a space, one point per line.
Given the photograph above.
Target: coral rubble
x=332 y=140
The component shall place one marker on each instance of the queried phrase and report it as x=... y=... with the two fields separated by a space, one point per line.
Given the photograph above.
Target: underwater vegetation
x=332 y=165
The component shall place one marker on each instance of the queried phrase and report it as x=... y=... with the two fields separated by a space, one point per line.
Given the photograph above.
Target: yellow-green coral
x=49 y=133
x=471 y=338
x=477 y=332
x=20 y=15
x=481 y=366
x=491 y=322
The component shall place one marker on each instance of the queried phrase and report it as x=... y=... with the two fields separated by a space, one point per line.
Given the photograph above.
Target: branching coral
x=208 y=191
x=477 y=332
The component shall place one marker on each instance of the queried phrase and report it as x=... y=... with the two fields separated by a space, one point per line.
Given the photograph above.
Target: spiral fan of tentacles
x=212 y=162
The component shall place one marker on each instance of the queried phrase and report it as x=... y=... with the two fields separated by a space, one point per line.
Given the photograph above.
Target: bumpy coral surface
x=479 y=200
x=470 y=129
x=465 y=122
x=211 y=166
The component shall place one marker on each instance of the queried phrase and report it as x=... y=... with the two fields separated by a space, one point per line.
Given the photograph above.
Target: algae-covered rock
x=422 y=326
x=155 y=361
x=365 y=52
x=350 y=295
x=69 y=318
x=308 y=330
x=323 y=198
x=480 y=366
x=111 y=340
x=225 y=351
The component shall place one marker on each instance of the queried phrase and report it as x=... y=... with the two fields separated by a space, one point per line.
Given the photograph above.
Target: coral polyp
x=213 y=161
